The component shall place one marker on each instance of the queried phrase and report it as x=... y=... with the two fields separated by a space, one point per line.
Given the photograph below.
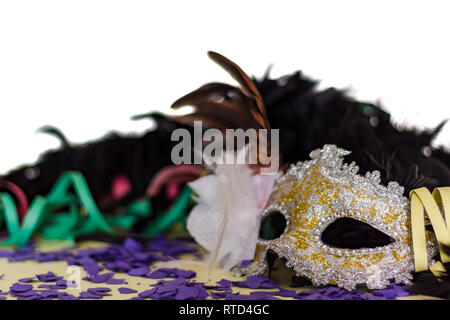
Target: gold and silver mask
x=315 y=194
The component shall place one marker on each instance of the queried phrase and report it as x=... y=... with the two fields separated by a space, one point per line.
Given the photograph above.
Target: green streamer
x=173 y=215
x=46 y=214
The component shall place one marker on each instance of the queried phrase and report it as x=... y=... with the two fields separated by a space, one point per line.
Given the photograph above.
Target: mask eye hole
x=272 y=226
x=347 y=233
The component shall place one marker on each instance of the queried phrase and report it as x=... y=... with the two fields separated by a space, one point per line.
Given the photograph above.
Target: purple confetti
x=249 y=297
x=124 y=290
x=187 y=274
x=218 y=295
x=147 y=293
x=178 y=289
x=225 y=283
x=90 y=295
x=25 y=280
x=185 y=292
x=132 y=245
x=6 y=254
x=52 y=286
x=257 y=282
x=100 y=291
x=158 y=274
x=115 y=281
x=101 y=278
x=19 y=287
x=135 y=258
x=172 y=273
x=48 y=277
x=49 y=293
x=245 y=263
x=391 y=292
x=66 y=296
x=141 y=271
x=28 y=293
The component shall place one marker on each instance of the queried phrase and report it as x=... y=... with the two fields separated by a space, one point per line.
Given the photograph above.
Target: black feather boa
x=308 y=119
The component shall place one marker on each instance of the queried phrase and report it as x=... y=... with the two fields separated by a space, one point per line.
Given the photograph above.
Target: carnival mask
x=317 y=203
x=313 y=196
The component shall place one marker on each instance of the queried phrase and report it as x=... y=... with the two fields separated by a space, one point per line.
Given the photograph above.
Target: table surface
x=13 y=271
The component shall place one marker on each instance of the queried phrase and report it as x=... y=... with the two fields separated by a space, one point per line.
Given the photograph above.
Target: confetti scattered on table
x=137 y=258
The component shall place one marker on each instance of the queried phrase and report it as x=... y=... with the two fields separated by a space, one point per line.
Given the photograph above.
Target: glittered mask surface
x=315 y=194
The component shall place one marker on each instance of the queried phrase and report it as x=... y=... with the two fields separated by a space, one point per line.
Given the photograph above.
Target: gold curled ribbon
x=422 y=200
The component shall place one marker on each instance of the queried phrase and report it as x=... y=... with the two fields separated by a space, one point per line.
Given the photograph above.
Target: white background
x=87 y=66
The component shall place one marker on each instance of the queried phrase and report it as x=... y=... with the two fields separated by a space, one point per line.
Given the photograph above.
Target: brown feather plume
x=223 y=106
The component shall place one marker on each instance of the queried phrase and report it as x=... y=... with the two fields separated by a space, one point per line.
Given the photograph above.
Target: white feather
x=227 y=216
